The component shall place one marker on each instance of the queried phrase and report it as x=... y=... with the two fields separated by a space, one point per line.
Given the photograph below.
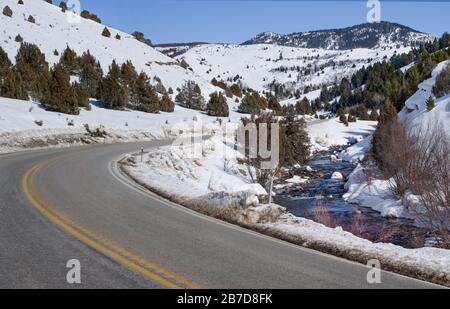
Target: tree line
x=67 y=86
x=385 y=81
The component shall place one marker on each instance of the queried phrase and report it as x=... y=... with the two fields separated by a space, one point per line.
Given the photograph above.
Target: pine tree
x=33 y=70
x=91 y=75
x=388 y=113
x=166 y=104
x=128 y=77
x=18 y=39
x=295 y=140
x=61 y=96
x=4 y=60
x=430 y=104
x=106 y=33
x=252 y=103
x=303 y=107
x=11 y=85
x=217 y=105
x=144 y=96
x=236 y=90
x=114 y=93
x=274 y=104
x=70 y=61
x=190 y=96
x=7 y=11
x=81 y=95
x=386 y=123
x=63 y=6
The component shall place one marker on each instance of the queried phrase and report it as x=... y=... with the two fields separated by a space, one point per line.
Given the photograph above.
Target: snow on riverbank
x=327 y=133
x=369 y=190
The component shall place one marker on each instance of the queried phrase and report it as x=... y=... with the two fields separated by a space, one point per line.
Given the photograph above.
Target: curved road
x=58 y=205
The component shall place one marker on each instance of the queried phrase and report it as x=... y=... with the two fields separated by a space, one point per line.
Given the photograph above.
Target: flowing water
x=322 y=202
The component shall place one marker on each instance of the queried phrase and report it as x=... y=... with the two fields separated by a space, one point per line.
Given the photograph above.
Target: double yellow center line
x=122 y=256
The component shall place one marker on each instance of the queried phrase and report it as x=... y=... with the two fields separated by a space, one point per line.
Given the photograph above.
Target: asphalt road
x=58 y=205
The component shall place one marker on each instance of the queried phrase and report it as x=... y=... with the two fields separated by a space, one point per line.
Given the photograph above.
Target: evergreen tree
x=91 y=75
x=128 y=78
x=190 y=96
x=144 y=96
x=81 y=96
x=430 y=104
x=4 y=60
x=388 y=113
x=18 y=39
x=106 y=33
x=114 y=93
x=63 y=6
x=217 y=105
x=236 y=90
x=295 y=140
x=166 y=104
x=11 y=85
x=386 y=123
x=274 y=104
x=252 y=103
x=7 y=11
x=61 y=96
x=325 y=95
x=33 y=70
x=303 y=107
x=70 y=61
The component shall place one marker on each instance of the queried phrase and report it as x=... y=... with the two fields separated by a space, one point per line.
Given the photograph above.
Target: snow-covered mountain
x=55 y=30
x=369 y=35
x=295 y=69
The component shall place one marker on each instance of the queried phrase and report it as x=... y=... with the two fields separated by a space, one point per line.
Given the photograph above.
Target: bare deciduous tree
x=419 y=162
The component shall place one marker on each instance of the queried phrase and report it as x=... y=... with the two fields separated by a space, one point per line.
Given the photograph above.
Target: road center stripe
x=98 y=243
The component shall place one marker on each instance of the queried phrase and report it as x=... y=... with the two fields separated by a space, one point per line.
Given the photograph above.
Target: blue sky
x=235 y=21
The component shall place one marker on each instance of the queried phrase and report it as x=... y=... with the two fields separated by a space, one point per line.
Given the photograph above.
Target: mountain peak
x=368 y=35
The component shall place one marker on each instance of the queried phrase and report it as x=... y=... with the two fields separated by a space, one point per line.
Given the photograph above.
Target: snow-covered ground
x=210 y=184
x=25 y=124
x=195 y=176
x=55 y=30
x=415 y=114
x=259 y=65
x=327 y=133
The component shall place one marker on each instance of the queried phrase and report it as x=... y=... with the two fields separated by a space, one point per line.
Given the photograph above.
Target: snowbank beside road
x=195 y=176
x=25 y=125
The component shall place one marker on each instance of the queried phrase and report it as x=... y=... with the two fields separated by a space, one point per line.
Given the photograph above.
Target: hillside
x=289 y=69
x=416 y=116
x=53 y=31
x=369 y=35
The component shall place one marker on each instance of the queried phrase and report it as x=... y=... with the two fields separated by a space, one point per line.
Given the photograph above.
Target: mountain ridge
x=367 y=35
